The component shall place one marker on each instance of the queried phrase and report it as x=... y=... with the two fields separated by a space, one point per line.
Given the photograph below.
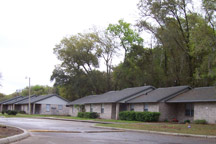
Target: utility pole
x=29 y=96
x=29 y=103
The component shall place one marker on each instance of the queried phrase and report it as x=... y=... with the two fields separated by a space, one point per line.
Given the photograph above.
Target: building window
x=91 y=107
x=102 y=108
x=48 y=107
x=189 y=109
x=131 y=107
x=60 y=107
x=145 y=107
x=72 y=109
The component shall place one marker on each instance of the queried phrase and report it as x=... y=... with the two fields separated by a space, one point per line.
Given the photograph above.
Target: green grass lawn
x=197 y=129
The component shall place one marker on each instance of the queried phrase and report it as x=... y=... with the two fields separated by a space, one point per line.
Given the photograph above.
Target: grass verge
x=197 y=129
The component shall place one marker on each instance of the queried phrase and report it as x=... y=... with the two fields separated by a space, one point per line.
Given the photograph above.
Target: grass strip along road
x=197 y=129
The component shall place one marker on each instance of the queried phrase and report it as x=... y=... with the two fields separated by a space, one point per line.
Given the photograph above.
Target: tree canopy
x=183 y=51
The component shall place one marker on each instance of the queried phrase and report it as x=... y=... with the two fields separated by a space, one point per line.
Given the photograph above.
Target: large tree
x=181 y=33
x=78 y=71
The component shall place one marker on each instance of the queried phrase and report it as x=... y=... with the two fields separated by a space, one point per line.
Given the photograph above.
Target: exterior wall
x=181 y=117
x=167 y=111
x=73 y=110
x=53 y=100
x=97 y=108
x=205 y=111
x=24 y=108
x=54 y=110
x=152 y=107
x=109 y=112
x=87 y=108
x=138 y=107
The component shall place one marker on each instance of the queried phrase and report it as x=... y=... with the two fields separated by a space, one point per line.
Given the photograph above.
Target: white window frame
x=189 y=109
x=132 y=107
x=102 y=108
x=145 y=107
x=72 y=108
x=47 y=107
x=60 y=107
x=91 y=107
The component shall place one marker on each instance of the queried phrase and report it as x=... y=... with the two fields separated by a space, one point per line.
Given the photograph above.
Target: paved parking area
x=97 y=135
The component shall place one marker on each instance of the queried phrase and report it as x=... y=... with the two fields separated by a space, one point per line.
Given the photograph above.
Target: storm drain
x=59 y=131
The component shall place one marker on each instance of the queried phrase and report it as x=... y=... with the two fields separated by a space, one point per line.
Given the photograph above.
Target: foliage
x=186 y=121
x=11 y=112
x=77 y=75
x=37 y=90
x=92 y=115
x=182 y=51
x=127 y=36
x=139 y=116
x=200 y=121
x=127 y=115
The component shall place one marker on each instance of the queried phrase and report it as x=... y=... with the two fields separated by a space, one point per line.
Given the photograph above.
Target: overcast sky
x=30 y=29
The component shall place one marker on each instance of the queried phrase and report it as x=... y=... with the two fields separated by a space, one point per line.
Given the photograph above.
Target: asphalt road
x=90 y=135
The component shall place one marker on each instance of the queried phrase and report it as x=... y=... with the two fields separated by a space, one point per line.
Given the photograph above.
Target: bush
x=88 y=115
x=200 y=121
x=3 y=112
x=80 y=114
x=11 y=112
x=127 y=115
x=187 y=121
x=139 y=116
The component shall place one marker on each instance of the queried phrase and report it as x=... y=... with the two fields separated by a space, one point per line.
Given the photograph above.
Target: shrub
x=3 y=112
x=200 y=121
x=11 y=112
x=88 y=115
x=139 y=116
x=80 y=114
x=187 y=121
x=166 y=120
x=127 y=115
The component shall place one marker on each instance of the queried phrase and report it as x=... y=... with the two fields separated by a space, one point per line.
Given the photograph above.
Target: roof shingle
x=202 y=94
x=111 y=96
x=159 y=94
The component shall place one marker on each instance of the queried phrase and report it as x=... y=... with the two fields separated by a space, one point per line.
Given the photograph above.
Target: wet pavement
x=95 y=135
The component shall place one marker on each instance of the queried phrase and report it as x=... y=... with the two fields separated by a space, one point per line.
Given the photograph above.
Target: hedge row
x=139 y=116
x=10 y=112
x=88 y=115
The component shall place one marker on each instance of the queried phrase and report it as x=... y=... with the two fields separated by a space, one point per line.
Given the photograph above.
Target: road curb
x=15 y=138
x=155 y=132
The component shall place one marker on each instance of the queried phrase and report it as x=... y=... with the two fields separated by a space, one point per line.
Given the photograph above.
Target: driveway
x=90 y=135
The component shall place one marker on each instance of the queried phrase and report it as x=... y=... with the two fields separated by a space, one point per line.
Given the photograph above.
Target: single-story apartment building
x=180 y=102
x=51 y=104
x=108 y=104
